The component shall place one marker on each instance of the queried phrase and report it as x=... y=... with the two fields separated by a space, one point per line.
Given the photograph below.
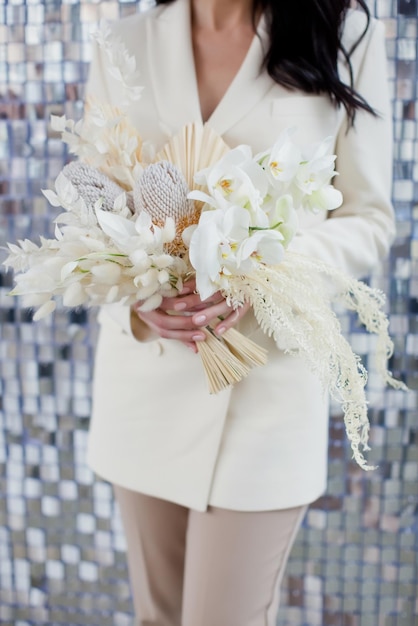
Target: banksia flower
x=92 y=185
x=162 y=192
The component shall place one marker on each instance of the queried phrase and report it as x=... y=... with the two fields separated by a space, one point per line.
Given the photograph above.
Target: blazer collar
x=173 y=74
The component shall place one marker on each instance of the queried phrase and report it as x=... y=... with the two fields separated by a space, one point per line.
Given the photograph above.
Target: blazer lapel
x=170 y=57
x=173 y=74
x=248 y=87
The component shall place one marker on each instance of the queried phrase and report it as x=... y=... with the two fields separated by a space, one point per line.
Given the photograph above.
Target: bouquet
x=136 y=225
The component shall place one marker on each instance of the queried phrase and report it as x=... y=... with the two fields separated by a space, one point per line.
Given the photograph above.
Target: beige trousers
x=217 y=568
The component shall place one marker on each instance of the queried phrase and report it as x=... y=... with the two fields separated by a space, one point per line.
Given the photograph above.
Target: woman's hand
x=183 y=317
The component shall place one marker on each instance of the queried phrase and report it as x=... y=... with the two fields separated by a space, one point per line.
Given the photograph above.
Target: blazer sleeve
x=358 y=235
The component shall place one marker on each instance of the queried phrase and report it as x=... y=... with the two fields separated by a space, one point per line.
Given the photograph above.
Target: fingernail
x=180 y=306
x=220 y=330
x=199 y=319
x=198 y=337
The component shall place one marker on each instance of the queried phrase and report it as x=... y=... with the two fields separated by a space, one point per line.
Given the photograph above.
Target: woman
x=212 y=489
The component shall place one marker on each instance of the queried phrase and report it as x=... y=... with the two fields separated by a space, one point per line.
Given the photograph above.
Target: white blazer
x=263 y=444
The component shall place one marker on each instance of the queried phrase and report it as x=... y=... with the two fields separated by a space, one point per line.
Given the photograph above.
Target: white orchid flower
x=214 y=245
x=281 y=162
x=233 y=158
x=313 y=175
x=326 y=198
x=224 y=243
x=263 y=246
x=312 y=181
x=237 y=180
x=313 y=188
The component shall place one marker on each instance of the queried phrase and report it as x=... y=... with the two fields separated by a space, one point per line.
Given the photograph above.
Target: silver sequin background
x=62 y=551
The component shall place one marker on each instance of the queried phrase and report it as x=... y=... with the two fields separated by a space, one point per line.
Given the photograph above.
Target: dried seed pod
x=162 y=192
x=92 y=185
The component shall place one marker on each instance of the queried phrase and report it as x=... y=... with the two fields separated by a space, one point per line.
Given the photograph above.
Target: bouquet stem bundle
x=228 y=359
